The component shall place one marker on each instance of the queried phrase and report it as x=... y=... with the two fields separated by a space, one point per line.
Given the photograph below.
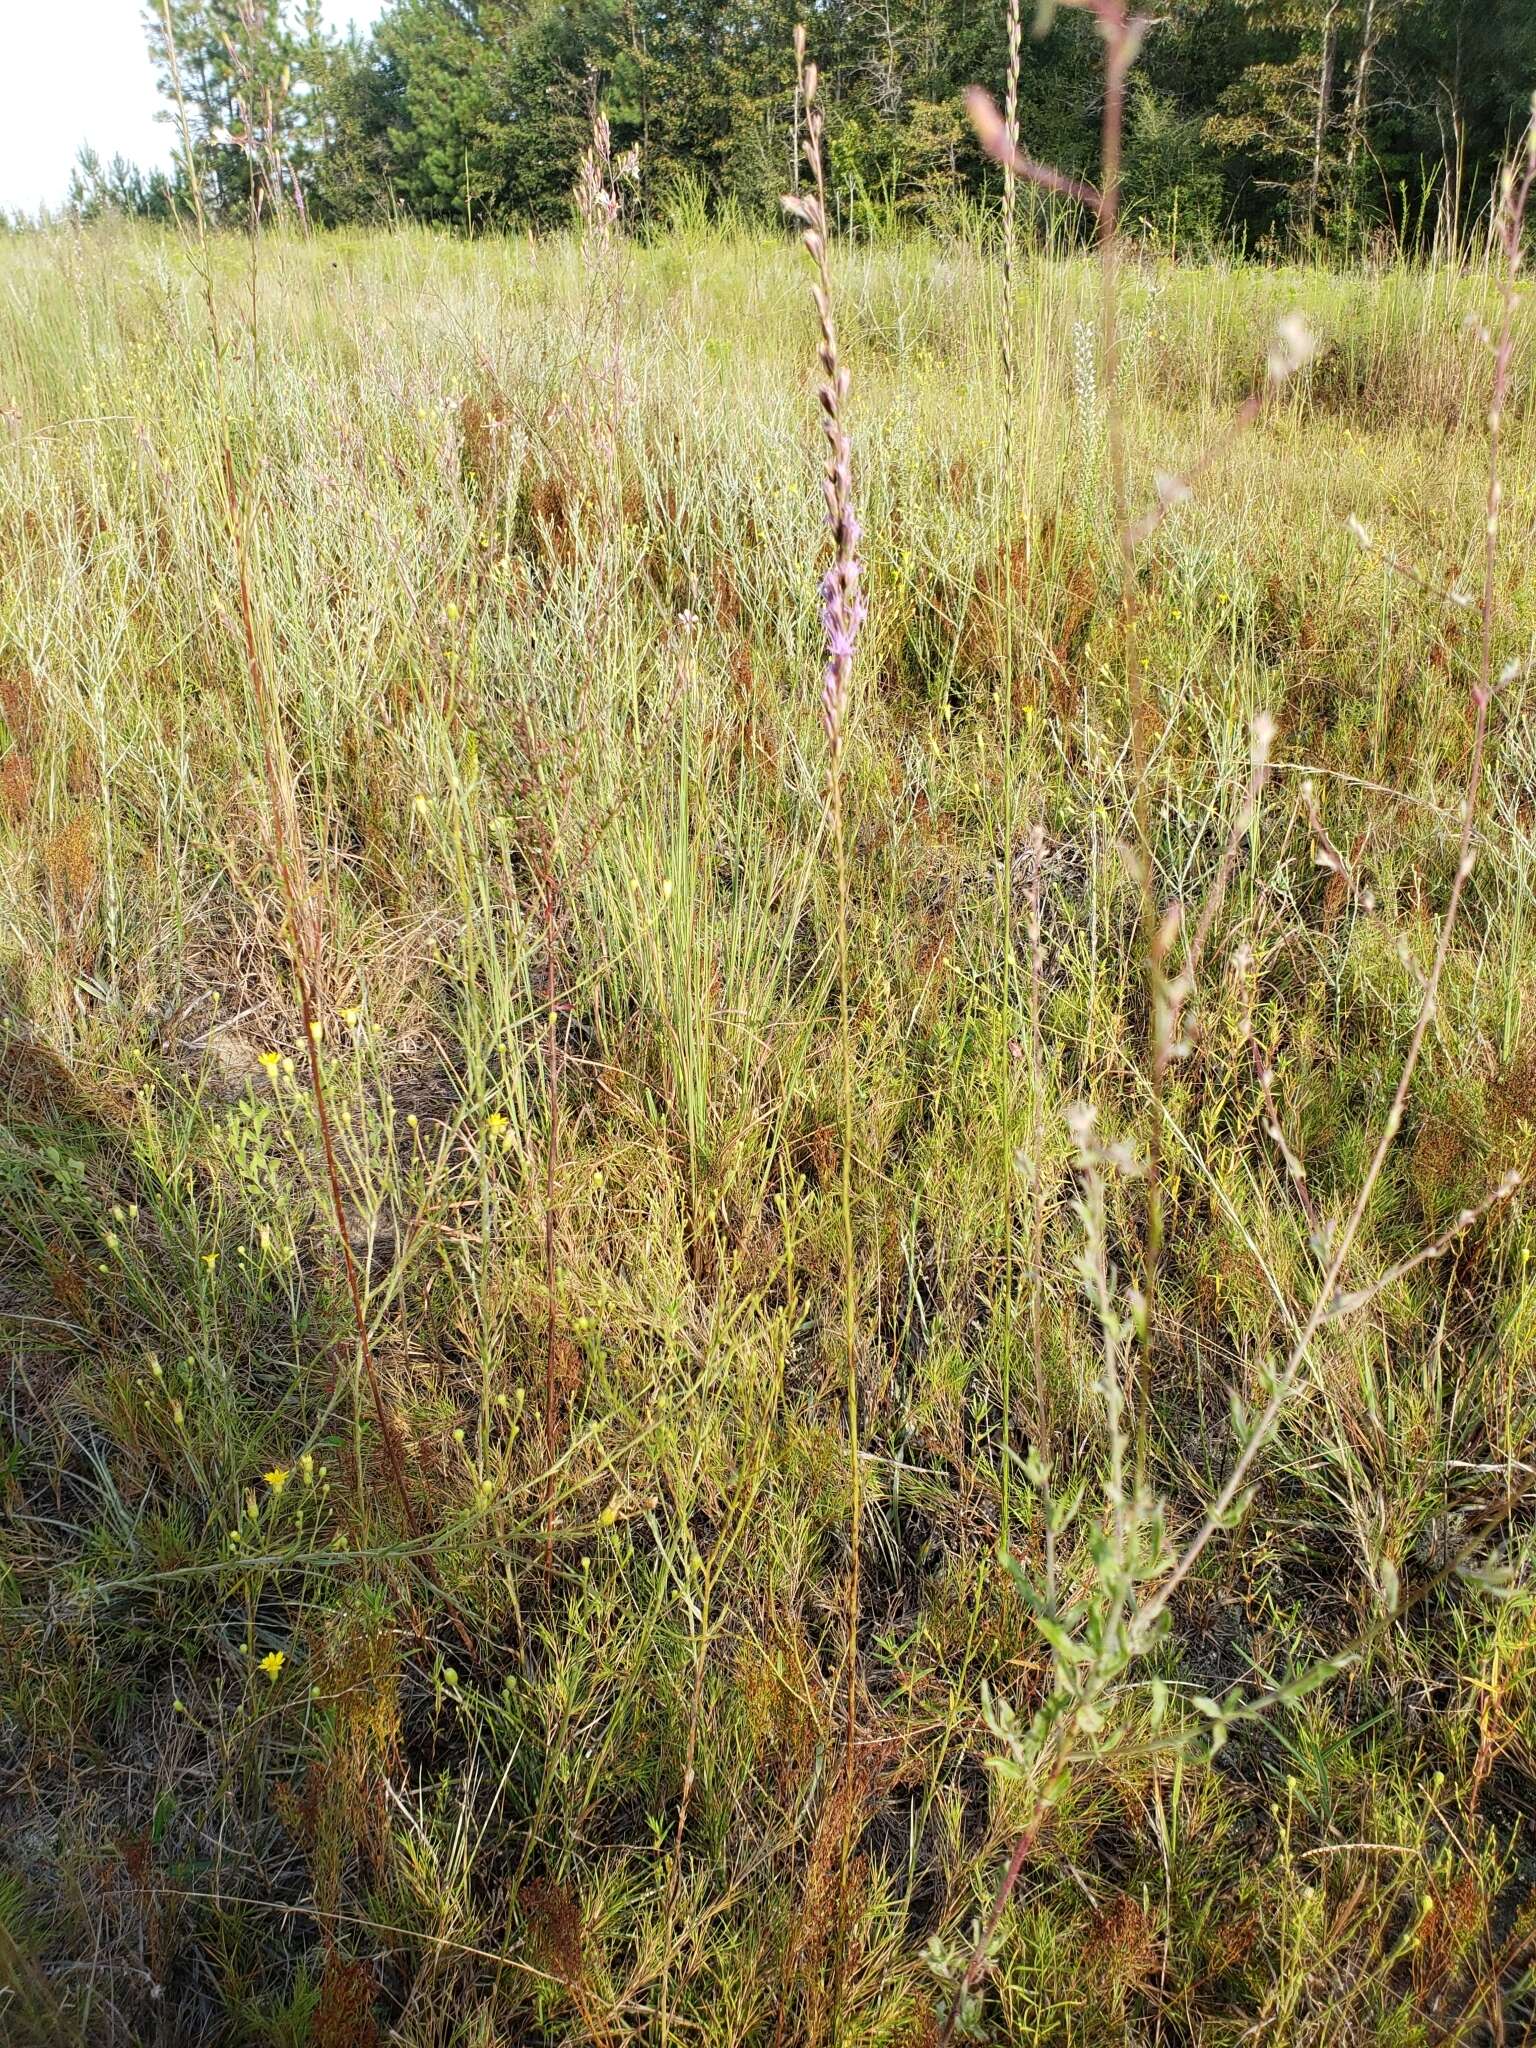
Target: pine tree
x=247 y=73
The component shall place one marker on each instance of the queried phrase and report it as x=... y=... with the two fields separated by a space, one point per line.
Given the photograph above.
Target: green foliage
x=536 y=544
x=249 y=77
x=118 y=189
x=1173 y=189
x=1326 y=122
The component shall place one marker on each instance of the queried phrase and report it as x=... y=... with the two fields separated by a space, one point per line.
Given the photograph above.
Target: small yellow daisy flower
x=277 y=1478
x=272 y=1664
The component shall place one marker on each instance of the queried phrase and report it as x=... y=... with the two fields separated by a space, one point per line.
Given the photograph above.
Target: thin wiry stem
x=1122 y=35
x=975 y=1968
x=843 y=611
x=1005 y=578
x=1135 y=1628
x=1362 y=1297
x=1516 y=199
x=1042 y=1444
x=551 y=1160
x=303 y=926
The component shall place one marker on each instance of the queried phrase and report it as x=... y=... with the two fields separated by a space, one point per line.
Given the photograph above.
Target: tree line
x=1258 y=124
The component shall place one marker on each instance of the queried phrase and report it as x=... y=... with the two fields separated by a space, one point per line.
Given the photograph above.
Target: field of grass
x=487 y=1682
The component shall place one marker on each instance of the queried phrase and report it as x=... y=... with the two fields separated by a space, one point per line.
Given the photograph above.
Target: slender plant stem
x=1023 y=1847
x=1005 y=593
x=842 y=618
x=1323 y=1307
x=1133 y=1629
x=551 y=1161
x=1122 y=38
x=850 y=1334
x=303 y=926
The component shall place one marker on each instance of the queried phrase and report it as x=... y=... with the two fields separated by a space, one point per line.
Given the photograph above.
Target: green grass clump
x=547 y=1744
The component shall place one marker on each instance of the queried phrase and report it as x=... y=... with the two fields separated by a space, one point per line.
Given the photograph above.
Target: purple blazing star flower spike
x=843 y=607
x=843 y=612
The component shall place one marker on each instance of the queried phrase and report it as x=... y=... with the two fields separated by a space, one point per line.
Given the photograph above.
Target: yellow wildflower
x=277 y=1478
x=272 y=1664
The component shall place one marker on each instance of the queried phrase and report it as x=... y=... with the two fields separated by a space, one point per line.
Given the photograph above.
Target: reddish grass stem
x=303 y=928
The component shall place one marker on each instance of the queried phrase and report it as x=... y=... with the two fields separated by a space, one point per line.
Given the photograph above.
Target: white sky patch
x=78 y=71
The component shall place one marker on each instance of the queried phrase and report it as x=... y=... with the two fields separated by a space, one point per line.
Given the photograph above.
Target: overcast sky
x=74 y=71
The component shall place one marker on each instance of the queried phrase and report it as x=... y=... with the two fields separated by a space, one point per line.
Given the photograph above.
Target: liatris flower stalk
x=605 y=185
x=842 y=615
x=598 y=193
x=1005 y=544
x=842 y=597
